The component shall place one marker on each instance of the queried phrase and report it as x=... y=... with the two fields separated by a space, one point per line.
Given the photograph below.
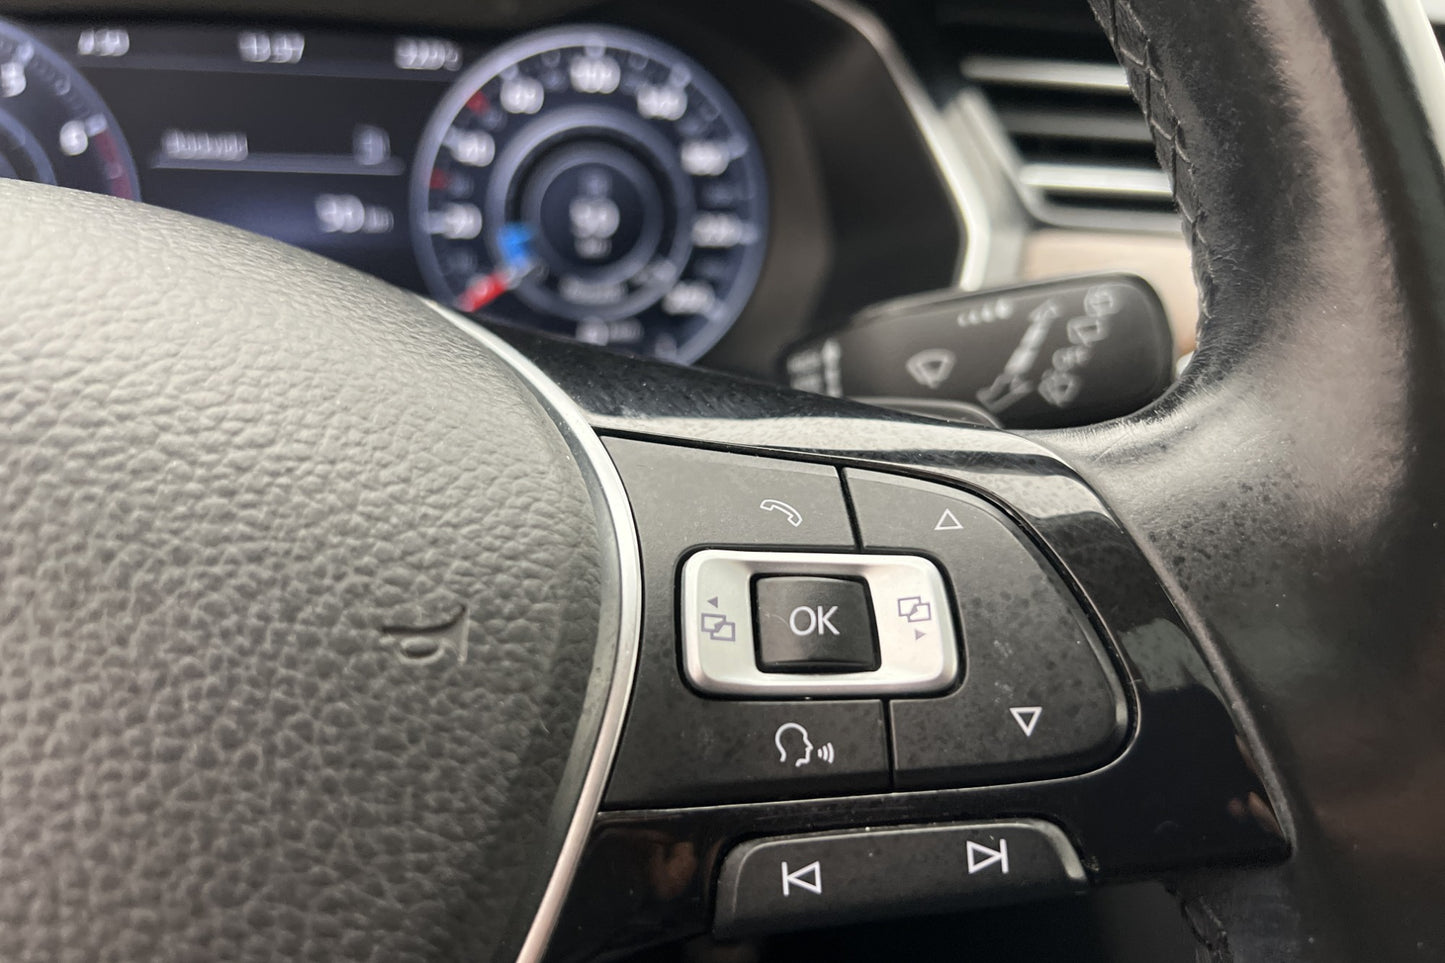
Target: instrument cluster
x=592 y=179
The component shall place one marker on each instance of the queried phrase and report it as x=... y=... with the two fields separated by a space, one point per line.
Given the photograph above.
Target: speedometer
x=593 y=182
x=54 y=128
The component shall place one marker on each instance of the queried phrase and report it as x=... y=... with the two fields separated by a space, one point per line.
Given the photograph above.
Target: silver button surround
x=917 y=641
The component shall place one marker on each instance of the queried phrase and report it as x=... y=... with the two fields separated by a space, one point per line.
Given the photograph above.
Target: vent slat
x=1049 y=74
x=1124 y=128
x=1097 y=180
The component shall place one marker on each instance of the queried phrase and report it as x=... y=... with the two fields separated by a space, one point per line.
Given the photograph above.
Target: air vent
x=1077 y=142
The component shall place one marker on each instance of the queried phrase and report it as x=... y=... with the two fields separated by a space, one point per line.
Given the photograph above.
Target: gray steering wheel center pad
x=307 y=609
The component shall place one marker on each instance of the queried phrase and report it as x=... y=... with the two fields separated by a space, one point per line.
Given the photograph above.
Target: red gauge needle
x=515 y=242
x=482 y=292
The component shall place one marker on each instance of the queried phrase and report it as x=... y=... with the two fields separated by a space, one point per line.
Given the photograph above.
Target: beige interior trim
x=1162 y=261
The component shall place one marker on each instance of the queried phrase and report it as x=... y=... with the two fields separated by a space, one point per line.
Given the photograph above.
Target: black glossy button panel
x=679 y=746
x=814 y=625
x=794 y=882
x=1040 y=697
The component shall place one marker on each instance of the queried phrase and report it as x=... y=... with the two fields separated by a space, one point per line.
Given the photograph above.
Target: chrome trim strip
x=1096 y=179
x=612 y=501
x=1416 y=37
x=970 y=204
x=1124 y=126
x=1038 y=72
x=917 y=649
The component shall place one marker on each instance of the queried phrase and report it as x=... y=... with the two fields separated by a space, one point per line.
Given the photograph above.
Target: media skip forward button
x=981 y=857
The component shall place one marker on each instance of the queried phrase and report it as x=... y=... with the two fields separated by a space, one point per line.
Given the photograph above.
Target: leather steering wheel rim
x=1289 y=486
x=319 y=606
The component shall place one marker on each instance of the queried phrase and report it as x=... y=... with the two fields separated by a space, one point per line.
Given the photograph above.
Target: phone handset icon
x=794 y=517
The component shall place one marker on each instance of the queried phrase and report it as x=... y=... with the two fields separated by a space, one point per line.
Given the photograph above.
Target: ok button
x=810 y=624
x=813 y=619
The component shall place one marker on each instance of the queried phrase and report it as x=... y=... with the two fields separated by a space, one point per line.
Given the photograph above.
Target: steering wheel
x=321 y=605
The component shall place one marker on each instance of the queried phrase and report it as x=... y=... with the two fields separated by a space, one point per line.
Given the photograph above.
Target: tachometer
x=54 y=128
x=594 y=182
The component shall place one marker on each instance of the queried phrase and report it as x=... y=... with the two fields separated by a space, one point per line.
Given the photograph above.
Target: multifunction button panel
x=805 y=624
x=909 y=655
x=815 y=632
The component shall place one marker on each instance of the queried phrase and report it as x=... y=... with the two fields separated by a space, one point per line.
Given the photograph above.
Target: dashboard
x=735 y=186
x=686 y=183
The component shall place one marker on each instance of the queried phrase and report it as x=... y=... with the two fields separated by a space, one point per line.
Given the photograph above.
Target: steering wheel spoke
x=1039 y=572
